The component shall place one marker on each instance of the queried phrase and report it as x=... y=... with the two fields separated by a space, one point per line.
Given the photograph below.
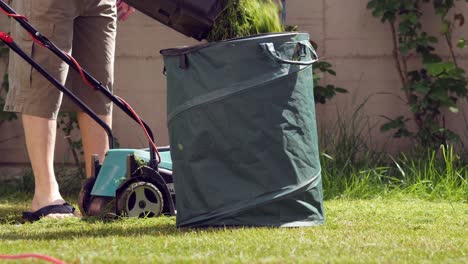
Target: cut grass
x=242 y=18
x=364 y=231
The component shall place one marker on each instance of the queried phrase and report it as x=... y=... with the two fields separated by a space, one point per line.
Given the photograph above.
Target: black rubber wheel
x=140 y=199
x=84 y=198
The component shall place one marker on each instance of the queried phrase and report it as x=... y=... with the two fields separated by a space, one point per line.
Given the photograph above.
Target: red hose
x=34 y=256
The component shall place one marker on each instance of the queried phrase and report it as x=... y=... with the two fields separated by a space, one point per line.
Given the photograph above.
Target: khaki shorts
x=84 y=28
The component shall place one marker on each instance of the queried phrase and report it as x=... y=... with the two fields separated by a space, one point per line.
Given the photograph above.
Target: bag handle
x=269 y=48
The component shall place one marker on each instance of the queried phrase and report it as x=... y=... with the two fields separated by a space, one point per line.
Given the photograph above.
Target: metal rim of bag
x=186 y=49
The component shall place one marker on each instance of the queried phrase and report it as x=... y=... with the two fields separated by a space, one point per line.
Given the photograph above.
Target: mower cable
x=142 y=126
x=25 y=19
x=34 y=256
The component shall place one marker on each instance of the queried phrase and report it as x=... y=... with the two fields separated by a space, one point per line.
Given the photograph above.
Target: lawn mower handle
x=13 y=46
x=96 y=84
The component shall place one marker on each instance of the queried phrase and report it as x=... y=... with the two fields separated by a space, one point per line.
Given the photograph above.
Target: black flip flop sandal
x=64 y=208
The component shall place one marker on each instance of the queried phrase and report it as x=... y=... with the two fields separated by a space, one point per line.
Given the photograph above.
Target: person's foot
x=56 y=203
x=50 y=211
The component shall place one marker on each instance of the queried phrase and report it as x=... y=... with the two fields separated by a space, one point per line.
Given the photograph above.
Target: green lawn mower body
x=135 y=186
x=114 y=170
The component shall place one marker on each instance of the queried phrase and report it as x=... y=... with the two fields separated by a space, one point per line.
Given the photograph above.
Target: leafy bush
x=439 y=84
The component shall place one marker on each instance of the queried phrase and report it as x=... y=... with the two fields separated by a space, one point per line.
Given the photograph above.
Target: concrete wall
x=348 y=36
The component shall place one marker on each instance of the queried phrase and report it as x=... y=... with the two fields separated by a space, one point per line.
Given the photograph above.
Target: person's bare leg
x=95 y=140
x=40 y=134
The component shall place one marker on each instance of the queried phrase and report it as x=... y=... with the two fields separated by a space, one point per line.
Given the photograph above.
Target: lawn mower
x=139 y=182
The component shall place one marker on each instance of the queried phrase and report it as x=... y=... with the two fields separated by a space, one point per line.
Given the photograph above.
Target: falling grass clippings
x=242 y=18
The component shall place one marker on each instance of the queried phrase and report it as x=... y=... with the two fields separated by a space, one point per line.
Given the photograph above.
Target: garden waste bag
x=243 y=133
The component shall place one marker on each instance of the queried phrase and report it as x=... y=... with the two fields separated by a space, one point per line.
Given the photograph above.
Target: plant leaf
x=461 y=43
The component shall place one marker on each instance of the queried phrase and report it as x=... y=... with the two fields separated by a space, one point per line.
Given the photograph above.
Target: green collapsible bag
x=243 y=133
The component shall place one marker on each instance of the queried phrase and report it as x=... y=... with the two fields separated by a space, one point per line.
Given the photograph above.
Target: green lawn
x=407 y=209
x=386 y=230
